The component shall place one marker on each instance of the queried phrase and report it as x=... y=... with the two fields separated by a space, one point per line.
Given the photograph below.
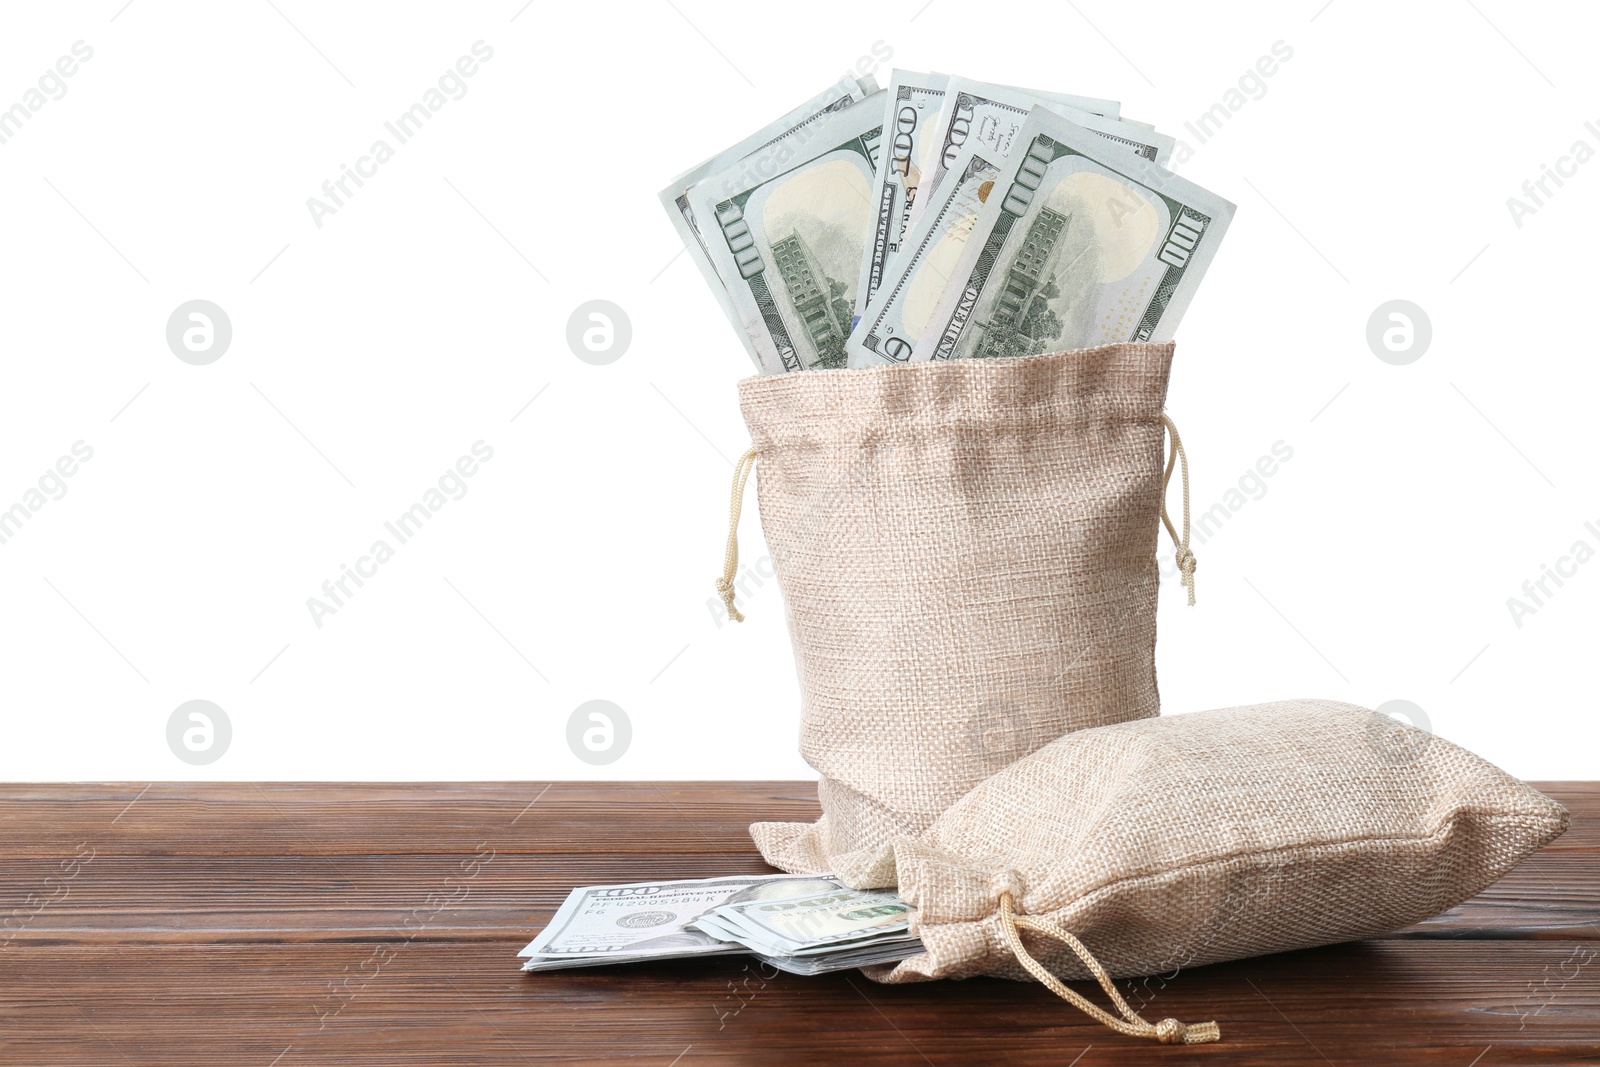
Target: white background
x=368 y=354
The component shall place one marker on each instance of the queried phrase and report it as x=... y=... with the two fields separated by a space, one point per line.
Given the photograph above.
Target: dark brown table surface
x=283 y=925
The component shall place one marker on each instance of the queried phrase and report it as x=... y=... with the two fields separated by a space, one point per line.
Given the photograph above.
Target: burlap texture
x=1191 y=839
x=967 y=552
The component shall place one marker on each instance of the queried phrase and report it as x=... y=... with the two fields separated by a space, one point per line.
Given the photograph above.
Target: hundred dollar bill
x=918 y=276
x=645 y=920
x=807 y=925
x=778 y=949
x=787 y=228
x=832 y=956
x=993 y=115
x=845 y=960
x=1078 y=244
x=675 y=197
x=890 y=329
x=913 y=109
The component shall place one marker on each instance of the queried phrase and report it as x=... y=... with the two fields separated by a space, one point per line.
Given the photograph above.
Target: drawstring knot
x=1186 y=565
x=1171 y=1032
x=725 y=587
x=1167 y=1031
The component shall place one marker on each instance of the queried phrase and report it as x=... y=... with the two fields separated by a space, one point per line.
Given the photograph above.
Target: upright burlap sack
x=967 y=553
x=1191 y=839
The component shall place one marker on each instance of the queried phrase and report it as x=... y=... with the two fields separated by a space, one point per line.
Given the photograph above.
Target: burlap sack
x=1192 y=839
x=967 y=551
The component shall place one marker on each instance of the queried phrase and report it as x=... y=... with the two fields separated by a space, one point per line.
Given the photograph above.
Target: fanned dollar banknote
x=889 y=330
x=914 y=103
x=675 y=196
x=805 y=924
x=786 y=228
x=1078 y=244
x=992 y=115
x=818 y=924
x=945 y=218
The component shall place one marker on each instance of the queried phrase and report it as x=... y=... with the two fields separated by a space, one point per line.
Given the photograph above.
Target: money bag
x=967 y=555
x=1150 y=847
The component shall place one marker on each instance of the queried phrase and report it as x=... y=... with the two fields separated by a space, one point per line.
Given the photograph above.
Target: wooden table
x=282 y=925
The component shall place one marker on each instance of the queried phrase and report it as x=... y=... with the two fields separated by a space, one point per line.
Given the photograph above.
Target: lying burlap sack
x=967 y=551
x=1169 y=843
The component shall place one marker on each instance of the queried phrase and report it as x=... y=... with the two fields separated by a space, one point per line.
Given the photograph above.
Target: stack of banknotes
x=944 y=218
x=803 y=924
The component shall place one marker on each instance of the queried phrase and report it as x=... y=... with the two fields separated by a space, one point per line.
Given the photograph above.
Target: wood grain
x=294 y=924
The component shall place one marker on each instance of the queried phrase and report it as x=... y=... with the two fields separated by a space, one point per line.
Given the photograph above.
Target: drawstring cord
x=1183 y=556
x=1167 y=1031
x=730 y=556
